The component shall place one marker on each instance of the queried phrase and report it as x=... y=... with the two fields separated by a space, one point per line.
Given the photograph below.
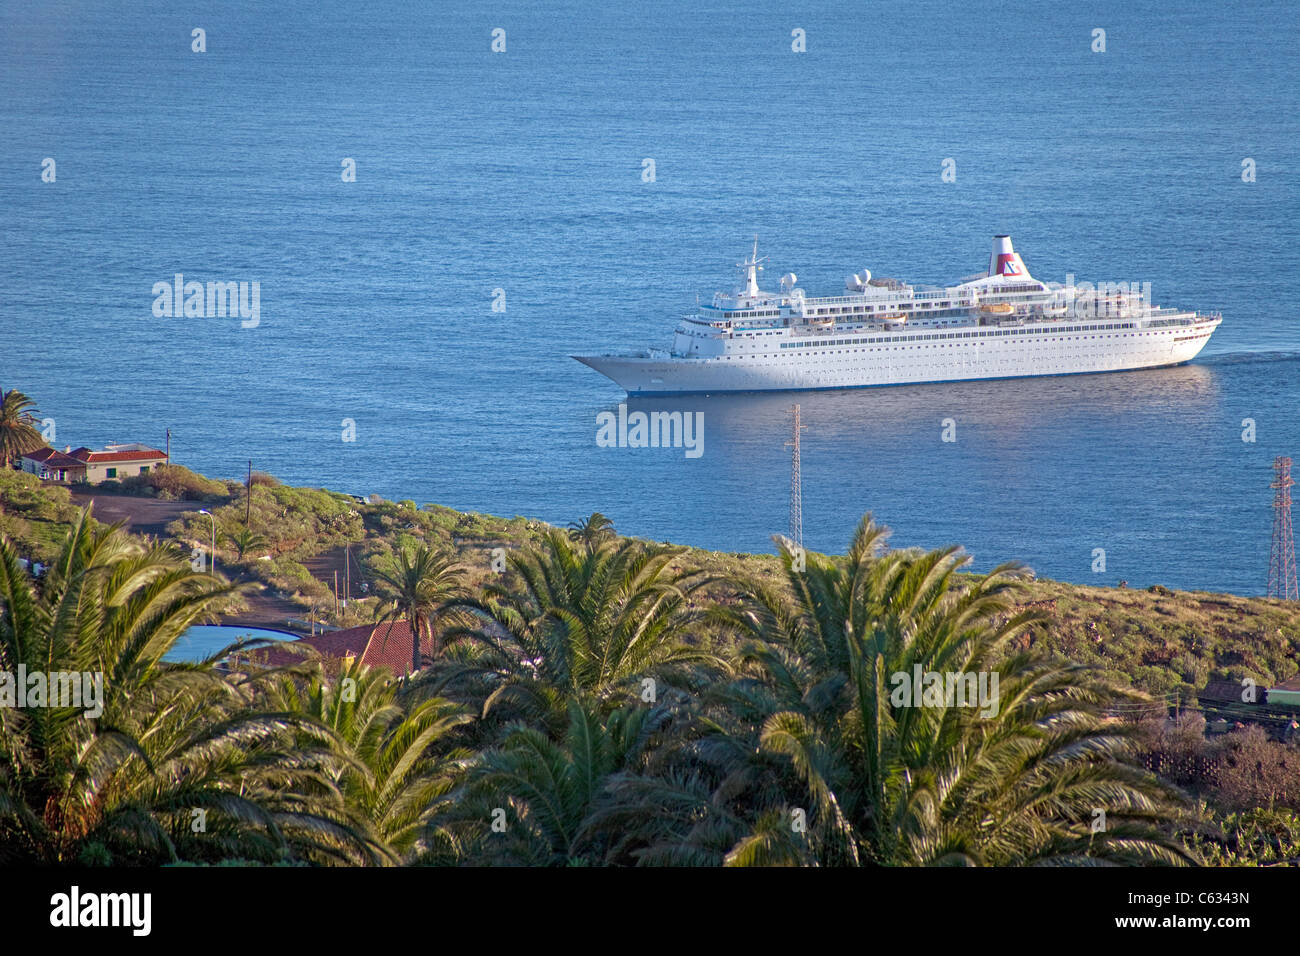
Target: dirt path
x=324 y=565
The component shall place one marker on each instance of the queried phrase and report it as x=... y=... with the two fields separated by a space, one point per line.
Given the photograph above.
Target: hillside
x=1239 y=790
x=1167 y=643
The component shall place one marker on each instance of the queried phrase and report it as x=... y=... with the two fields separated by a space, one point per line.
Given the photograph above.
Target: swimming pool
x=203 y=640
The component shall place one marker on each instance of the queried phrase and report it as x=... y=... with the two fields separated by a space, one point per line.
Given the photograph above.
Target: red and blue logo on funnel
x=1008 y=266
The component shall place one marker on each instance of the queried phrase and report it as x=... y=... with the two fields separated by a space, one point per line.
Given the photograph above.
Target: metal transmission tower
x=796 y=488
x=1281 y=563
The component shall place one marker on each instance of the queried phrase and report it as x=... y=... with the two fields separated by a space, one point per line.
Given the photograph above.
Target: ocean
x=520 y=179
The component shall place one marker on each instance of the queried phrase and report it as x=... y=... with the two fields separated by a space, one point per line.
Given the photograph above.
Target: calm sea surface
x=522 y=171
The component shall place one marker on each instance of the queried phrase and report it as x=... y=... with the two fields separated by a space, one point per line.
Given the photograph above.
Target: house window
x=144 y=469
x=110 y=473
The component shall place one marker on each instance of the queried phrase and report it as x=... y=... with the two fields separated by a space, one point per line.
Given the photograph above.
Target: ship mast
x=752 y=266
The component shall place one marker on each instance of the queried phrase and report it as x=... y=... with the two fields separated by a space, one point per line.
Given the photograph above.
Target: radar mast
x=752 y=267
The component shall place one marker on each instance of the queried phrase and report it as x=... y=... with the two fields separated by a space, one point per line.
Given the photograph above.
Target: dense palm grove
x=590 y=707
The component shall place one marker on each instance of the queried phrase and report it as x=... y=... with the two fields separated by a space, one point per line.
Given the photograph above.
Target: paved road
x=142 y=515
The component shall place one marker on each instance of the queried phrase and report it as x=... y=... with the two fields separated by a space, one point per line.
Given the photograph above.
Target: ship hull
x=908 y=361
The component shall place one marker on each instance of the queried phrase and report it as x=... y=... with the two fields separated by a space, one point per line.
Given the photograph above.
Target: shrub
x=1257 y=772
x=34 y=514
x=1254 y=837
x=176 y=482
x=28 y=495
x=294 y=522
x=289 y=577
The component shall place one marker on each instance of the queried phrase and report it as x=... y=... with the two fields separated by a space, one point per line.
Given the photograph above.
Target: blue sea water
x=522 y=171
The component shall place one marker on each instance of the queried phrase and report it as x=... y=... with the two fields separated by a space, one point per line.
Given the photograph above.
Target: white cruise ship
x=999 y=324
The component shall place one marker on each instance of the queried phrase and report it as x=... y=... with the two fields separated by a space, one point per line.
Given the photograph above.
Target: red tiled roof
x=54 y=458
x=378 y=645
x=1221 y=691
x=334 y=644
x=88 y=456
x=390 y=646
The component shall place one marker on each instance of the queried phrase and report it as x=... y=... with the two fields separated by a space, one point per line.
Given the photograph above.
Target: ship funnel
x=1005 y=261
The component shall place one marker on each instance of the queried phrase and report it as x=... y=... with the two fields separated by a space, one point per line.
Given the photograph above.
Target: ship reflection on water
x=1001 y=405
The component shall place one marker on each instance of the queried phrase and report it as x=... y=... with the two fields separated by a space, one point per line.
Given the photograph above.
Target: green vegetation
x=589 y=699
x=395 y=760
x=286 y=525
x=1255 y=837
x=1170 y=643
x=583 y=618
x=245 y=540
x=417 y=588
x=812 y=728
x=177 y=483
x=123 y=776
x=34 y=515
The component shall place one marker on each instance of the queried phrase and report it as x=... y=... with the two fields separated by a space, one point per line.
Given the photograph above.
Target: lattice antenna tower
x=796 y=484
x=1281 y=562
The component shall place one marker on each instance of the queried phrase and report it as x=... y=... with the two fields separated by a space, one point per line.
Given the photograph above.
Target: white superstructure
x=1000 y=324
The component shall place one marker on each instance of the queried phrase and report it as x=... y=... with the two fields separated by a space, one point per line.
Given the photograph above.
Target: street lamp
x=213 y=552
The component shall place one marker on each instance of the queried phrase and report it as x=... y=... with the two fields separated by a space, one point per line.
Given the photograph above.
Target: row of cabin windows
x=849 y=310
x=954 y=335
x=807 y=345
x=844 y=310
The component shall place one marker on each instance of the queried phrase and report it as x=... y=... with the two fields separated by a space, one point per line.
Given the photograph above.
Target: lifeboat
x=998 y=313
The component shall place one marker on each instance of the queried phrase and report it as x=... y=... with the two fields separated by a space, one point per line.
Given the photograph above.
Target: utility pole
x=169 y=446
x=347 y=574
x=796 y=483
x=1281 y=562
x=336 y=595
x=248 y=495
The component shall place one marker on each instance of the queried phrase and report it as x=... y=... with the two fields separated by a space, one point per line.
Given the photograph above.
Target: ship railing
x=845 y=299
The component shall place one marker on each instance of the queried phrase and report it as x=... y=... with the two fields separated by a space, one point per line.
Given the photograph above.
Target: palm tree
x=590 y=622
x=245 y=540
x=592 y=531
x=157 y=761
x=418 y=587
x=815 y=747
x=533 y=800
x=395 y=767
x=18 y=432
